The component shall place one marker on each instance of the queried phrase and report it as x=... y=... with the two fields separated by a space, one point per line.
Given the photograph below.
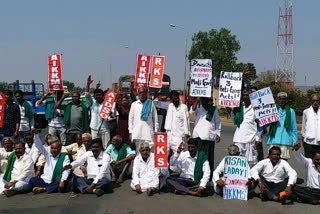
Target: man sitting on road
x=311 y=193
x=7 y=147
x=273 y=176
x=145 y=177
x=18 y=173
x=54 y=177
x=98 y=172
x=121 y=157
x=31 y=148
x=194 y=170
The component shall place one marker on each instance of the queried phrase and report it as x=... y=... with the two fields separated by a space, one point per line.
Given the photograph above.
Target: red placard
x=2 y=106
x=157 y=71
x=55 y=73
x=142 y=75
x=106 y=109
x=160 y=150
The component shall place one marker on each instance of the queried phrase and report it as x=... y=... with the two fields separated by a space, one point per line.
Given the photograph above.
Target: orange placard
x=106 y=109
x=2 y=105
x=55 y=73
x=157 y=71
x=160 y=150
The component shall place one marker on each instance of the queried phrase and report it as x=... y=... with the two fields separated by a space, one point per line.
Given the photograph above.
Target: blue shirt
x=282 y=136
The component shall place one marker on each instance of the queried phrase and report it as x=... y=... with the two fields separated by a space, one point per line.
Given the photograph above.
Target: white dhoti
x=20 y=186
x=249 y=151
x=174 y=141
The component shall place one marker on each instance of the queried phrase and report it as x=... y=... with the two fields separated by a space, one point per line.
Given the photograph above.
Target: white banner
x=230 y=89
x=201 y=78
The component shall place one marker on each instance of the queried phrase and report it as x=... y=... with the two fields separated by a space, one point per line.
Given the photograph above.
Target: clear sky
x=92 y=35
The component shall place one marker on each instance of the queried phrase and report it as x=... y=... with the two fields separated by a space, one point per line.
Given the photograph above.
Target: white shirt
x=142 y=130
x=185 y=164
x=220 y=169
x=95 y=109
x=3 y=161
x=97 y=168
x=25 y=123
x=313 y=175
x=32 y=152
x=144 y=173
x=310 y=129
x=275 y=174
x=206 y=130
x=177 y=122
x=51 y=162
x=56 y=122
x=23 y=169
x=248 y=130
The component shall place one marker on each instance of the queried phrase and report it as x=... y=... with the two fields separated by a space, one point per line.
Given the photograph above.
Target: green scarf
x=122 y=154
x=58 y=169
x=210 y=112
x=85 y=116
x=287 y=122
x=238 y=115
x=201 y=158
x=133 y=97
x=11 y=160
x=27 y=110
x=50 y=108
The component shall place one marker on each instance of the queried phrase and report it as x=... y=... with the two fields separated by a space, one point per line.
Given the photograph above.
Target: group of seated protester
x=84 y=167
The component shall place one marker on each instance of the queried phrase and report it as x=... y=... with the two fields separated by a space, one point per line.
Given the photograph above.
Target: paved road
x=123 y=200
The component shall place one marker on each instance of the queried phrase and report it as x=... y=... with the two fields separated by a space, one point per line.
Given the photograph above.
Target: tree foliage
x=71 y=86
x=219 y=46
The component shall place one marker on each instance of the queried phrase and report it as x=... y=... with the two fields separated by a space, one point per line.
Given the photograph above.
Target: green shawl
x=238 y=115
x=58 y=169
x=85 y=116
x=122 y=154
x=11 y=160
x=201 y=158
x=287 y=122
x=210 y=112
x=50 y=108
x=27 y=110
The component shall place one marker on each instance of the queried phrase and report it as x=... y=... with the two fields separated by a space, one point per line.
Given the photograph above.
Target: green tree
x=219 y=46
x=71 y=86
x=252 y=72
x=4 y=86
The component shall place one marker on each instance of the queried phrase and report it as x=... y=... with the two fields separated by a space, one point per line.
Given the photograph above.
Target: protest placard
x=142 y=75
x=264 y=106
x=201 y=78
x=157 y=71
x=108 y=103
x=2 y=106
x=55 y=73
x=160 y=150
x=230 y=89
x=236 y=169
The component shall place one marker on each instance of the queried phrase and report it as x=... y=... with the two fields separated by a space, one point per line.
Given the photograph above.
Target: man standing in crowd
x=7 y=147
x=100 y=128
x=177 y=122
x=310 y=130
x=121 y=157
x=145 y=177
x=19 y=170
x=76 y=117
x=246 y=136
x=311 y=193
x=54 y=177
x=143 y=120
x=54 y=114
x=273 y=176
x=207 y=127
x=284 y=133
x=26 y=114
x=11 y=118
x=98 y=171
x=194 y=170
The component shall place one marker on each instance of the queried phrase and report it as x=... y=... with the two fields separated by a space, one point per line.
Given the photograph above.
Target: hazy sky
x=92 y=35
